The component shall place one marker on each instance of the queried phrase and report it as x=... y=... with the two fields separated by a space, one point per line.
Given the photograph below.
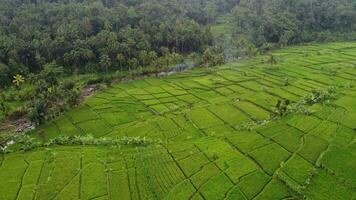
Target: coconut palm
x=18 y=80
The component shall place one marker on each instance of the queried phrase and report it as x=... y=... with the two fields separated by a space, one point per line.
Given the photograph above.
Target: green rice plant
x=151 y=102
x=224 y=91
x=32 y=173
x=95 y=127
x=197 y=196
x=253 y=183
x=203 y=118
x=82 y=114
x=193 y=164
x=206 y=173
x=344 y=136
x=341 y=162
x=326 y=130
x=254 y=111
x=180 y=152
x=93 y=181
x=299 y=170
x=304 y=123
x=290 y=139
x=66 y=127
x=240 y=166
x=216 y=187
x=207 y=95
x=8 y=190
x=218 y=131
x=312 y=148
x=47 y=131
x=252 y=85
x=238 y=89
x=119 y=186
x=270 y=157
x=229 y=114
x=247 y=141
x=326 y=186
x=183 y=190
x=275 y=190
x=235 y=194
x=162 y=94
x=160 y=108
x=12 y=170
x=117 y=118
x=280 y=92
x=168 y=100
x=61 y=171
x=70 y=191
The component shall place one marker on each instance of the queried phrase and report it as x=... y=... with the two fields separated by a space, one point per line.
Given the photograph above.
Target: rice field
x=218 y=138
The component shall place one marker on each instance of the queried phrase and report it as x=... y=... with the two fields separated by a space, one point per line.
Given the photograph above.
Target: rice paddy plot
x=217 y=135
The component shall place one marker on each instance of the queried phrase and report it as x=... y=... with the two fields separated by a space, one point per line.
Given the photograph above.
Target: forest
x=109 y=35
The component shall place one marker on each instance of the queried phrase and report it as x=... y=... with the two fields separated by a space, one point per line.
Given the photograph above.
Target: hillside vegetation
x=44 y=42
x=278 y=126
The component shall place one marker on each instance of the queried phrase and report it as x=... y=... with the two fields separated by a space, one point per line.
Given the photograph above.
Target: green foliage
x=213 y=56
x=27 y=143
x=18 y=80
x=320 y=96
x=51 y=99
x=94 y=36
x=281 y=107
x=4 y=107
x=284 y=23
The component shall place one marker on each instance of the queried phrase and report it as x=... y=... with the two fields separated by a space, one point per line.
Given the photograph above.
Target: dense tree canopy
x=82 y=36
x=286 y=22
x=102 y=35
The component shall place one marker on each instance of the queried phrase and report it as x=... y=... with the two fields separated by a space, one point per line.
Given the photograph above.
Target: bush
x=213 y=56
x=282 y=107
x=26 y=143
x=95 y=81
x=319 y=96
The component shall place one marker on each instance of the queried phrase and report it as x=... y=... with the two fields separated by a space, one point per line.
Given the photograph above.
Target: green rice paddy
x=218 y=139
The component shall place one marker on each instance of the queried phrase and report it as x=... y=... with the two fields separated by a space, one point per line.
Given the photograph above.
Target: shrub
x=282 y=107
x=213 y=56
x=95 y=81
x=27 y=143
x=319 y=96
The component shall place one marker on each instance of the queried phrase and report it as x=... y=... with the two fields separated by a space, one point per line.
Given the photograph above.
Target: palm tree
x=105 y=62
x=18 y=80
x=120 y=58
